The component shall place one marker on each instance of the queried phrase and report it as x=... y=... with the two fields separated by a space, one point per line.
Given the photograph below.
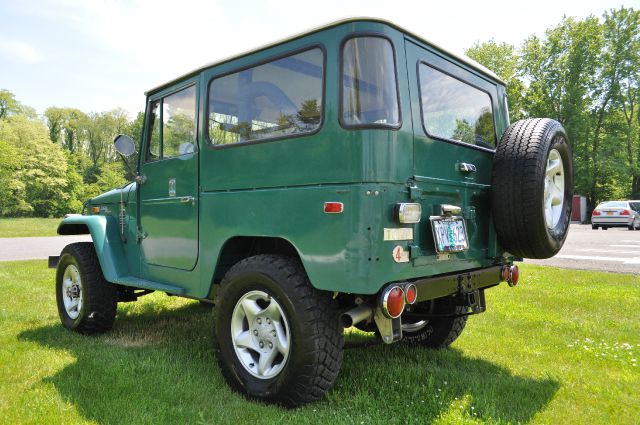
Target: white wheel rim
x=553 y=189
x=260 y=334
x=72 y=291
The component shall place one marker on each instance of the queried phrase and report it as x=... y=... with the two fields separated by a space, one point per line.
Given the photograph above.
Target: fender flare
x=106 y=241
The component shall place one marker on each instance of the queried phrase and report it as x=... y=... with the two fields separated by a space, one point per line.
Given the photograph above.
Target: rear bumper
x=612 y=221
x=454 y=283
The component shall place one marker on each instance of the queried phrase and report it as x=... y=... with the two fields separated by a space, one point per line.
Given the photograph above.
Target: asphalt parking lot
x=614 y=250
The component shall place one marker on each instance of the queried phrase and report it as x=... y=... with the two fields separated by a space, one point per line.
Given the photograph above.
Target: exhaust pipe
x=357 y=315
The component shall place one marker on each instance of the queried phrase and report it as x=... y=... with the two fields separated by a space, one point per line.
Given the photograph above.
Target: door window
x=173 y=125
x=454 y=110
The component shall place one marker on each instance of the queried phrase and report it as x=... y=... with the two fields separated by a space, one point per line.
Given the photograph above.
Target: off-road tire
x=316 y=340
x=438 y=333
x=99 y=297
x=518 y=188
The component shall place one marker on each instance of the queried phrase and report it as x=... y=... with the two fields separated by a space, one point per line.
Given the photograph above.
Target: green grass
x=563 y=347
x=23 y=227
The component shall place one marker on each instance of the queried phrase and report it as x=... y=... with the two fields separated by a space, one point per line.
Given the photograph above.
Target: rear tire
x=434 y=333
x=267 y=304
x=86 y=301
x=532 y=188
x=594 y=227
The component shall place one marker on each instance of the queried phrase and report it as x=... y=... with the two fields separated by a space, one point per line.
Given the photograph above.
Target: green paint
x=277 y=188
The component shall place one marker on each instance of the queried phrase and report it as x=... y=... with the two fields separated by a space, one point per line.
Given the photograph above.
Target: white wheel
x=72 y=291
x=553 y=189
x=260 y=334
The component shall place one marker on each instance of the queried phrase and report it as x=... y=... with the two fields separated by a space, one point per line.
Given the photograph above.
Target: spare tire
x=532 y=188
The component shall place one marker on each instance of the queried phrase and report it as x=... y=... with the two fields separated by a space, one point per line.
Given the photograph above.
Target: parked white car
x=616 y=214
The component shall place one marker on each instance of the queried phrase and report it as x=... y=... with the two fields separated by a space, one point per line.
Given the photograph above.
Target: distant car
x=616 y=214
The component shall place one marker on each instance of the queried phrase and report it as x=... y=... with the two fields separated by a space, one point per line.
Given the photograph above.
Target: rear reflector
x=333 y=207
x=393 y=302
x=95 y=210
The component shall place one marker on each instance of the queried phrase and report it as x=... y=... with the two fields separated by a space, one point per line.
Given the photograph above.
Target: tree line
x=50 y=165
x=583 y=72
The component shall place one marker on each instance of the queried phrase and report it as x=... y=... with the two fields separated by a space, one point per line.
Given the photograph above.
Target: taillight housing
x=595 y=212
x=625 y=212
x=393 y=301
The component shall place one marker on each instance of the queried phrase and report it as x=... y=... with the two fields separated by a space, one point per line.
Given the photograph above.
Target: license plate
x=449 y=234
x=609 y=213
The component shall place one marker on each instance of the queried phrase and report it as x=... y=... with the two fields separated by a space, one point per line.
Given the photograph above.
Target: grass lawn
x=563 y=347
x=23 y=227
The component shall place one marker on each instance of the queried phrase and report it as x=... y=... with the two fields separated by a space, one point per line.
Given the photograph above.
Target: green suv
x=355 y=175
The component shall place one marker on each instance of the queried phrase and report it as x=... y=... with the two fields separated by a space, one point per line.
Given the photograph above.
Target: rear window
x=613 y=204
x=454 y=110
x=276 y=99
x=369 y=84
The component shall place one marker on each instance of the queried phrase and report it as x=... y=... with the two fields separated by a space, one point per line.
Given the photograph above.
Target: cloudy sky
x=97 y=55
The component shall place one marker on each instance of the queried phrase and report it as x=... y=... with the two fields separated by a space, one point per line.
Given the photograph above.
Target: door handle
x=188 y=199
x=466 y=167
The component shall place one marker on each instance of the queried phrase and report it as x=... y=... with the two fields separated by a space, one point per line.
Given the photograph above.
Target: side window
x=277 y=99
x=454 y=110
x=369 y=85
x=173 y=125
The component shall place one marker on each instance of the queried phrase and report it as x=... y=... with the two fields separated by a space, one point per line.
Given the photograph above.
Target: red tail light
x=595 y=212
x=393 y=302
x=511 y=275
x=411 y=293
x=625 y=212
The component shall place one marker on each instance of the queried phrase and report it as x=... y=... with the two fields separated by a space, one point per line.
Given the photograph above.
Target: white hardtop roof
x=462 y=58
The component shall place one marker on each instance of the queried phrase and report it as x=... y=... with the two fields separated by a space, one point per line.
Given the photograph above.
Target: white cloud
x=18 y=51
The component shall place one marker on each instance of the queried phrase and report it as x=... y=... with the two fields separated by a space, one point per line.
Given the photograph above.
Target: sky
x=97 y=55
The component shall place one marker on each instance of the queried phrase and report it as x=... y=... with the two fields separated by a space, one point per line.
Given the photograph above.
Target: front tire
x=86 y=301
x=279 y=339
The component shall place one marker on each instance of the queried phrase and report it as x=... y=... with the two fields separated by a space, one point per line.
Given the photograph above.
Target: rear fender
x=106 y=240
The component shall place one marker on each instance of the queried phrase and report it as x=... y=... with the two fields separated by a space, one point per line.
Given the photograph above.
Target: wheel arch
x=238 y=248
x=106 y=241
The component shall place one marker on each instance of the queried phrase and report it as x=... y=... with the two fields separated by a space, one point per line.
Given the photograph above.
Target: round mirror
x=124 y=145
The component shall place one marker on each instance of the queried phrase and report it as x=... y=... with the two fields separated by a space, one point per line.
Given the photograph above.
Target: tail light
x=595 y=212
x=625 y=212
x=410 y=293
x=393 y=301
x=511 y=275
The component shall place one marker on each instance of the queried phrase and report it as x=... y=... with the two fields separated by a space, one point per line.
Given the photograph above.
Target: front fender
x=106 y=240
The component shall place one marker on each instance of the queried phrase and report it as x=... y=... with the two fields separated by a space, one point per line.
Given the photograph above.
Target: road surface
x=614 y=250
x=36 y=248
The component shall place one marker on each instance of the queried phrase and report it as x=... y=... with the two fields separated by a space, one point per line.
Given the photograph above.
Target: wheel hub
x=72 y=291
x=553 y=201
x=260 y=334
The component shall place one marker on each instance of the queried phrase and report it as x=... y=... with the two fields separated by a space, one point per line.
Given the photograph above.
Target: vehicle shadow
x=158 y=366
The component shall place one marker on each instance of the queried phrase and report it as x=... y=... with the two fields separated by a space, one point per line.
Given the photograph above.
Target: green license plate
x=449 y=234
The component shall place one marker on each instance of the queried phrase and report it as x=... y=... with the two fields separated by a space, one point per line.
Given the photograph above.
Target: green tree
x=502 y=58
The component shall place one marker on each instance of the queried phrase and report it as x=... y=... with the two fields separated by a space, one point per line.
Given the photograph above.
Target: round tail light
x=514 y=275
x=410 y=293
x=393 y=302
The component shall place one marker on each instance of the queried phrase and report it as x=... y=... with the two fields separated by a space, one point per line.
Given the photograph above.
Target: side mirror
x=124 y=145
